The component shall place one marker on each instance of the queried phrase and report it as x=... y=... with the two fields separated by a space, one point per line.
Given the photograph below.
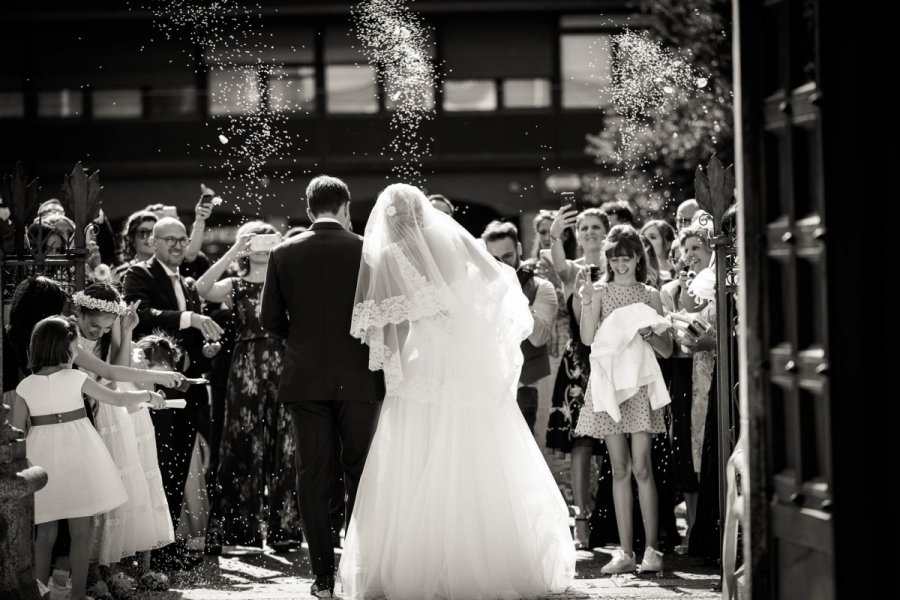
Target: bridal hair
x=326 y=194
x=623 y=240
x=100 y=297
x=51 y=342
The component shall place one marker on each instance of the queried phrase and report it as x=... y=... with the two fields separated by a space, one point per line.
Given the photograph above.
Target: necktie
x=179 y=292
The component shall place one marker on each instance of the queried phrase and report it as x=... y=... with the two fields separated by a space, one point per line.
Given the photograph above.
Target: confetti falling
x=396 y=42
x=648 y=85
x=250 y=96
x=645 y=77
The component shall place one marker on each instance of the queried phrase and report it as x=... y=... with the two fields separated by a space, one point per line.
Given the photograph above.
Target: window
x=12 y=104
x=526 y=93
x=391 y=91
x=233 y=91
x=60 y=103
x=171 y=102
x=470 y=94
x=117 y=104
x=292 y=88
x=585 y=70
x=351 y=89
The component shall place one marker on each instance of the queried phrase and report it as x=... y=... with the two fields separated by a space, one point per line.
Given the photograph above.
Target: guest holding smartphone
x=257 y=447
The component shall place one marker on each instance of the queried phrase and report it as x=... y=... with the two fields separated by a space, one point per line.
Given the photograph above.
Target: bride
x=456 y=500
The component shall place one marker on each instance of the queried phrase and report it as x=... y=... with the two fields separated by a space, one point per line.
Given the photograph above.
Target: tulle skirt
x=455 y=502
x=138 y=524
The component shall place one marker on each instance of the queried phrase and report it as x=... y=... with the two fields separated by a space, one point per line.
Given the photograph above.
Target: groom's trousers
x=318 y=428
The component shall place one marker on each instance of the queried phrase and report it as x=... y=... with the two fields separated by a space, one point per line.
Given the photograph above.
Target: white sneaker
x=57 y=590
x=620 y=563
x=652 y=562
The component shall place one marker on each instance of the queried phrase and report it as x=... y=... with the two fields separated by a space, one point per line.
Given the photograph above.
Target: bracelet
x=555 y=239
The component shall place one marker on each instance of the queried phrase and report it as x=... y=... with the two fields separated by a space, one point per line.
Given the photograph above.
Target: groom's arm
x=273 y=315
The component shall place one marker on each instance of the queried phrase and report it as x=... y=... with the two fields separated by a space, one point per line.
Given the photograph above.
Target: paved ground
x=265 y=576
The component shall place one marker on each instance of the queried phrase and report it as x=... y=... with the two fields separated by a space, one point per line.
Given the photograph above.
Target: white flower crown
x=108 y=306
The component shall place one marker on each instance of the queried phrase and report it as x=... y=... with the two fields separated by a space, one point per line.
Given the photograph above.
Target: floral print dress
x=257 y=473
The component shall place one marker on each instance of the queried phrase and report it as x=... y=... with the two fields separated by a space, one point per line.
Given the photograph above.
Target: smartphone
x=596 y=273
x=264 y=242
x=567 y=199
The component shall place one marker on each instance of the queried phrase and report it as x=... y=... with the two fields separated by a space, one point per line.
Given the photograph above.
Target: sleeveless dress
x=136 y=525
x=257 y=447
x=83 y=479
x=637 y=415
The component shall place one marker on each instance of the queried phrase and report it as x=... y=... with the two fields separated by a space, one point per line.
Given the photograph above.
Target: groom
x=332 y=396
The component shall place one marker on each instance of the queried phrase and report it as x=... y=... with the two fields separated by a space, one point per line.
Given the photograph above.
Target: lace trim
x=428 y=301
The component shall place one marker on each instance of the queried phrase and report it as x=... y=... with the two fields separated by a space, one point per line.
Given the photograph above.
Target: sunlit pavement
x=268 y=576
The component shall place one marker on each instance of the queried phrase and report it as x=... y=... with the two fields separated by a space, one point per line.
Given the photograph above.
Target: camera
x=168 y=211
x=596 y=273
x=264 y=242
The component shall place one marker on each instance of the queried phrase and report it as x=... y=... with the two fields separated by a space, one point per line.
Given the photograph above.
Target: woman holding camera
x=257 y=447
x=590 y=227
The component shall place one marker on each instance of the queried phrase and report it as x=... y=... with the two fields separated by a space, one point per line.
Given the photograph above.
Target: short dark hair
x=620 y=210
x=623 y=240
x=497 y=230
x=51 y=341
x=326 y=194
x=444 y=199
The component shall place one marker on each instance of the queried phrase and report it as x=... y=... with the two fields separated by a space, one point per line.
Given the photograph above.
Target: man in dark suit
x=170 y=303
x=326 y=384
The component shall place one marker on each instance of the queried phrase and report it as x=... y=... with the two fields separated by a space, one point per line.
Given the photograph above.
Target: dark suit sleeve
x=273 y=314
x=139 y=285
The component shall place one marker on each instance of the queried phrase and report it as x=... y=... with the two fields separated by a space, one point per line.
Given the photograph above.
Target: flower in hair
x=107 y=306
x=391 y=210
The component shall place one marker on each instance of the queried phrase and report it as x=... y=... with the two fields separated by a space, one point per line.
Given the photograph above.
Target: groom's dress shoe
x=323 y=587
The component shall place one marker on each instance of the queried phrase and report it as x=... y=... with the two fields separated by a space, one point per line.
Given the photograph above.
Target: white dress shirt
x=174 y=277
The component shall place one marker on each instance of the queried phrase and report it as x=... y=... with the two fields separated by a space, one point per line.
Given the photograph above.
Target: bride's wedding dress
x=456 y=500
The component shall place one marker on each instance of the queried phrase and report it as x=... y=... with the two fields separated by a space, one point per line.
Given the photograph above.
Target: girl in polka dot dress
x=626 y=272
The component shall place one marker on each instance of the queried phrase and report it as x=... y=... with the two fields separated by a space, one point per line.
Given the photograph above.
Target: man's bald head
x=685 y=213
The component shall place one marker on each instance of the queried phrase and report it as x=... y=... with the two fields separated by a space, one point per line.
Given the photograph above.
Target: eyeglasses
x=143 y=233
x=171 y=242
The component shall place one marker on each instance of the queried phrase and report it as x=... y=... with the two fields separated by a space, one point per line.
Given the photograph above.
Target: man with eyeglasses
x=170 y=303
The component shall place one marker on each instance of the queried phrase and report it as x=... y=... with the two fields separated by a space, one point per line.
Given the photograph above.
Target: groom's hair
x=326 y=194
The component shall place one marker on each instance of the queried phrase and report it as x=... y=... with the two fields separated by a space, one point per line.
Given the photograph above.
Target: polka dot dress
x=636 y=413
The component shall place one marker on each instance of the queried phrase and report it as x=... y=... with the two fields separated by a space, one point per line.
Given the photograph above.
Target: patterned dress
x=568 y=391
x=637 y=416
x=257 y=473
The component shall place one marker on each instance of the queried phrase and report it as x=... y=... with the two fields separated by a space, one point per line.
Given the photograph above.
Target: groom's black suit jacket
x=308 y=300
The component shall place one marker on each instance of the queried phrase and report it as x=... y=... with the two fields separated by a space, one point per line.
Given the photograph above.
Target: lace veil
x=419 y=264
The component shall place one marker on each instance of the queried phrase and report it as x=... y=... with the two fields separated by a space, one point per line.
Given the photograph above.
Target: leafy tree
x=650 y=152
